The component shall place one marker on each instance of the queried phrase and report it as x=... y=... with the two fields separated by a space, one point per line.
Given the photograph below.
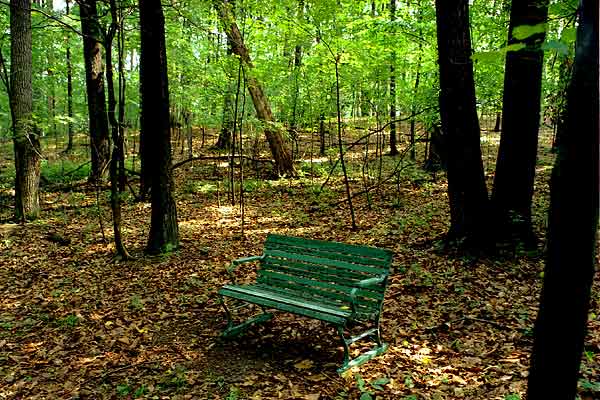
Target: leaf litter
x=74 y=323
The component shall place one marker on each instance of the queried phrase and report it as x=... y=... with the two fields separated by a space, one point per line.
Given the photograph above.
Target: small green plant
x=69 y=321
x=512 y=396
x=6 y=325
x=173 y=379
x=234 y=393
x=367 y=389
x=141 y=391
x=124 y=390
x=590 y=386
x=136 y=303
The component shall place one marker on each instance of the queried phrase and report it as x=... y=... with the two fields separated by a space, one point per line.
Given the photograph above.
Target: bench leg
x=372 y=334
x=232 y=330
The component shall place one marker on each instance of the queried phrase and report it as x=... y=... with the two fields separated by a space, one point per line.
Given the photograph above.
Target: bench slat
x=363 y=307
x=325 y=261
x=309 y=270
x=269 y=299
x=329 y=254
x=311 y=283
x=365 y=251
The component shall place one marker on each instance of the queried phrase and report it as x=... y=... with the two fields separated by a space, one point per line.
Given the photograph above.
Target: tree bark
x=117 y=174
x=413 y=143
x=154 y=89
x=281 y=155
x=467 y=191
x=26 y=143
x=560 y=327
x=94 y=79
x=393 y=135
x=498 y=123
x=224 y=140
x=296 y=75
x=69 y=91
x=515 y=167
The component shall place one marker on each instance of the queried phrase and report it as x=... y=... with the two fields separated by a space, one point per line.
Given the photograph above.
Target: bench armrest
x=239 y=261
x=365 y=283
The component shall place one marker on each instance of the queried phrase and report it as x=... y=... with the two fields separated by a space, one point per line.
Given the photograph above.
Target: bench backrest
x=325 y=271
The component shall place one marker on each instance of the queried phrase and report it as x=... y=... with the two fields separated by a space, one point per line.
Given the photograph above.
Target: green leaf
x=366 y=396
x=524 y=31
x=378 y=383
x=360 y=382
x=556 y=45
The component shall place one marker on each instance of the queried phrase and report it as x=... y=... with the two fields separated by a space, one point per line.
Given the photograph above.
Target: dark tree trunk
x=224 y=140
x=437 y=155
x=282 y=156
x=413 y=143
x=69 y=92
x=393 y=134
x=297 y=65
x=560 y=327
x=497 y=125
x=154 y=89
x=117 y=175
x=566 y=70
x=515 y=168
x=26 y=143
x=94 y=79
x=467 y=191
x=322 y=134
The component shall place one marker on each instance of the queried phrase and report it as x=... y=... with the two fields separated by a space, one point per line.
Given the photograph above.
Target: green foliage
x=173 y=379
x=525 y=31
x=196 y=187
x=136 y=303
x=124 y=390
x=63 y=171
x=69 y=321
x=367 y=389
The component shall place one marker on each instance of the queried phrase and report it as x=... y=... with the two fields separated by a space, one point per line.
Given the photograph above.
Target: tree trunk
x=154 y=89
x=393 y=135
x=467 y=191
x=26 y=144
x=282 y=156
x=515 y=168
x=498 y=124
x=224 y=140
x=413 y=143
x=117 y=157
x=297 y=65
x=94 y=79
x=322 y=134
x=69 y=92
x=560 y=328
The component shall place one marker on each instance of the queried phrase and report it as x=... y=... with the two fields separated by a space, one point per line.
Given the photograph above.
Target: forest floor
x=75 y=323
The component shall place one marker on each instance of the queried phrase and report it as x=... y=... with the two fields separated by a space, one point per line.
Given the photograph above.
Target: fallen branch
x=218 y=158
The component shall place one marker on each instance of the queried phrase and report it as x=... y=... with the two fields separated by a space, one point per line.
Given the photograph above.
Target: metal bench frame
x=358 y=305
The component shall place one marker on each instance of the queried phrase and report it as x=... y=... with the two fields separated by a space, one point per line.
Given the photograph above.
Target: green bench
x=337 y=283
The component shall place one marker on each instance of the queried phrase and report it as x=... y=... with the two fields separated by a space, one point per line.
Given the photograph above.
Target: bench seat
x=340 y=284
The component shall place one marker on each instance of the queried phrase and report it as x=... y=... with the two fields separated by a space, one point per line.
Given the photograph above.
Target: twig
x=114 y=371
x=473 y=319
x=49 y=16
